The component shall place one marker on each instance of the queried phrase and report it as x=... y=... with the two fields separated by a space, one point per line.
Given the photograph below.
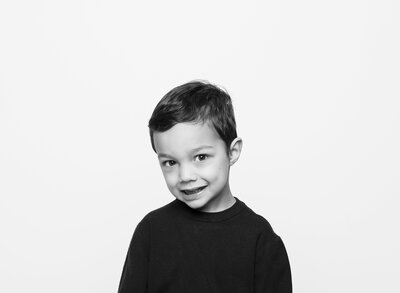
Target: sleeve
x=272 y=268
x=135 y=271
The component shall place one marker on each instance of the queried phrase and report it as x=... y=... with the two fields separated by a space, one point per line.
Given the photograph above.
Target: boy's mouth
x=193 y=191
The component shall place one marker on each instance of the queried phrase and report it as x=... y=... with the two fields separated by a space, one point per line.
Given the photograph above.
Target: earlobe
x=235 y=150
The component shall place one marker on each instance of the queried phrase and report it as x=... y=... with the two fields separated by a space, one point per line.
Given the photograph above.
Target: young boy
x=206 y=240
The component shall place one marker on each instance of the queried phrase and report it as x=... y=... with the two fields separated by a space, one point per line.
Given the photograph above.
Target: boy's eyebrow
x=162 y=155
x=202 y=147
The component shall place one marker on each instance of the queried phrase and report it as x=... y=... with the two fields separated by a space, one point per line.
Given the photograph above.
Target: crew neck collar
x=210 y=216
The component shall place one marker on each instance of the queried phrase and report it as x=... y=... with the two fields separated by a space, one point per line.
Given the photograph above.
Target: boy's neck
x=221 y=203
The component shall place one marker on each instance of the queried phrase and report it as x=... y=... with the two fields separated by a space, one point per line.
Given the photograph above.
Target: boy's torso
x=210 y=254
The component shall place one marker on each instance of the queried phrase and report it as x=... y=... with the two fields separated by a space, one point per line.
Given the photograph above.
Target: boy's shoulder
x=258 y=222
x=165 y=211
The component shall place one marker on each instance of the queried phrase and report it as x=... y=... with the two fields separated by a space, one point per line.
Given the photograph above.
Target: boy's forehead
x=186 y=137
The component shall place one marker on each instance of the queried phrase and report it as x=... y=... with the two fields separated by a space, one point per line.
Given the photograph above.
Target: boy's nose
x=186 y=173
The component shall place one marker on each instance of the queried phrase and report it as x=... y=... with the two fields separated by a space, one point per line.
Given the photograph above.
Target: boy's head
x=193 y=132
x=194 y=102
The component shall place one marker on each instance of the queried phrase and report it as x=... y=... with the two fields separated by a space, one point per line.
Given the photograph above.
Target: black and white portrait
x=315 y=90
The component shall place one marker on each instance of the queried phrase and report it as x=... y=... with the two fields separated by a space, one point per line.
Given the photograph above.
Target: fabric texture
x=178 y=249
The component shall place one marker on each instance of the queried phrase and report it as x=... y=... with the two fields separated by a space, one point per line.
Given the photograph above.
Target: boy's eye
x=201 y=157
x=169 y=163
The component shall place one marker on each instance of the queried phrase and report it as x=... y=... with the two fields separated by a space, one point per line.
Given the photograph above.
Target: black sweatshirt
x=177 y=249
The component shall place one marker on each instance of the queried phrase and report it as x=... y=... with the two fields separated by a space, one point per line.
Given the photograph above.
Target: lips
x=193 y=190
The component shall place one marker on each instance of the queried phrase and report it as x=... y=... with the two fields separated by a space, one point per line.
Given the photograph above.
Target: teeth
x=188 y=192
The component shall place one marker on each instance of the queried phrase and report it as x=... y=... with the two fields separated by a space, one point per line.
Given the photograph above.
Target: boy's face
x=195 y=165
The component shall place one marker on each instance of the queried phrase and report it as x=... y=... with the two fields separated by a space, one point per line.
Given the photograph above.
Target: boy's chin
x=194 y=203
x=200 y=204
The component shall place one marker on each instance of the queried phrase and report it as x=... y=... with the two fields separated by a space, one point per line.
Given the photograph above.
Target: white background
x=315 y=85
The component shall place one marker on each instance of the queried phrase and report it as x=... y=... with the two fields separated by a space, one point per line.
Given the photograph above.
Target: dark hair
x=195 y=101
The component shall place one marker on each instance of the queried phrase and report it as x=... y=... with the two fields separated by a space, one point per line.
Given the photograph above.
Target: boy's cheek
x=170 y=178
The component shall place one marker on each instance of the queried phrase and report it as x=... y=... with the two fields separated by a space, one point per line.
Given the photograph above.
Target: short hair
x=196 y=101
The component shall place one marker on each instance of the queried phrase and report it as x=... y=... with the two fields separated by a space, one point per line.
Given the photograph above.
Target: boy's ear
x=235 y=150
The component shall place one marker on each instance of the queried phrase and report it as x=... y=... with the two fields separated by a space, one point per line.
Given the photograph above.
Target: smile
x=193 y=191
